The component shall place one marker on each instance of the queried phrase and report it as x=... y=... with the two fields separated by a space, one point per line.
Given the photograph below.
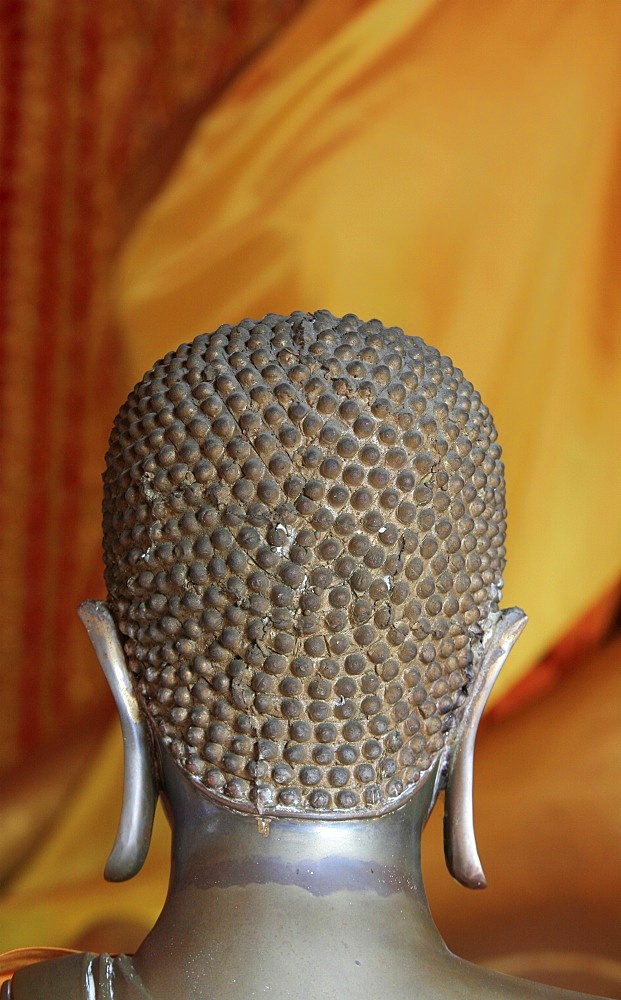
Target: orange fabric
x=585 y=635
x=451 y=168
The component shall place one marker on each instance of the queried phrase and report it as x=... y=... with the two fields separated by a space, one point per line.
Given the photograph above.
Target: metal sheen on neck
x=348 y=888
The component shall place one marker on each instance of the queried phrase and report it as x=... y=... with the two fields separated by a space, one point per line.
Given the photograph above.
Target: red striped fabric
x=88 y=95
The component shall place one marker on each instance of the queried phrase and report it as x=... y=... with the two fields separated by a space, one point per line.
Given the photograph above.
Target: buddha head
x=304 y=527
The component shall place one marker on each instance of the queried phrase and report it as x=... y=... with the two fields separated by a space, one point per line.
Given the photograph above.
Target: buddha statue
x=304 y=535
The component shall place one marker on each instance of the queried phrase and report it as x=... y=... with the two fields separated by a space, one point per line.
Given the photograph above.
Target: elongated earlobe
x=139 y=789
x=460 y=848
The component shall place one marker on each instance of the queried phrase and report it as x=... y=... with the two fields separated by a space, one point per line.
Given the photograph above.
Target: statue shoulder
x=76 y=977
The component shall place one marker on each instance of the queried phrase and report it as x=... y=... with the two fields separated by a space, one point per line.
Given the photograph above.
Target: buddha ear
x=460 y=848
x=140 y=790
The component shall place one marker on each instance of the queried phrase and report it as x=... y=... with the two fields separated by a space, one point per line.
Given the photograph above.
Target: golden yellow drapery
x=450 y=168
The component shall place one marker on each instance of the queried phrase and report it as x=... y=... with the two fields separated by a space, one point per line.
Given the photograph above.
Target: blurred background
x=449 y=166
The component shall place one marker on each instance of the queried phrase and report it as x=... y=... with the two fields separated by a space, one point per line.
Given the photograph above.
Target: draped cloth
x=447 y=167
x=450 y=168
x=95 y=102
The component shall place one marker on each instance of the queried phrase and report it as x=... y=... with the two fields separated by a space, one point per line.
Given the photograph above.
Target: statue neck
x=240 y=903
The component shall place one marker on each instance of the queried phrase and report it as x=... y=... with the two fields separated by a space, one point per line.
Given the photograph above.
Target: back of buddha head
x=304 y=525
